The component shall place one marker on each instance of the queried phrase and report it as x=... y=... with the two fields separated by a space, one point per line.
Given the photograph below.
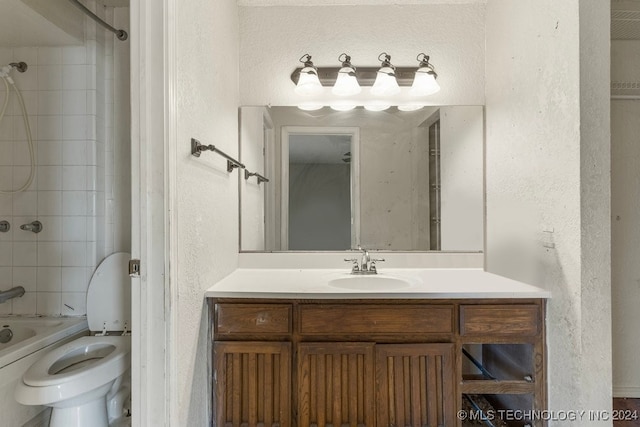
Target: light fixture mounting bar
x=366 y=75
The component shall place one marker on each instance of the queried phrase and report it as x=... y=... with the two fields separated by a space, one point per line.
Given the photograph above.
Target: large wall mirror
x=387 y=180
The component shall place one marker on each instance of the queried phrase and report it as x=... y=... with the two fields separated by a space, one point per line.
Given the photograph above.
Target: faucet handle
x=372 y=267
x=356 y=266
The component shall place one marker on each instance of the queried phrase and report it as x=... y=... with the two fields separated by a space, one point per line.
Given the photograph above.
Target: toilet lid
x=109 y=294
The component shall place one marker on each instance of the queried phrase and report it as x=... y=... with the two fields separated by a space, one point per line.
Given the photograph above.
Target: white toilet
x=87 y=381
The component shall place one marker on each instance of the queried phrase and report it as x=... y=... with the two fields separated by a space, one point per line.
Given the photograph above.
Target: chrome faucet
x=366 y=264
x=16 y=292
x=35 y=226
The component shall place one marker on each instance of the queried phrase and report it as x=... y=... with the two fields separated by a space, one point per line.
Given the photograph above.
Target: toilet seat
x=110 y=350
x=45 y=386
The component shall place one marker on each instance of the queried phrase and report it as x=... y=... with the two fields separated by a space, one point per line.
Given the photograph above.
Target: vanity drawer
x=501 y=320
x=253 y=319
x=344 y=319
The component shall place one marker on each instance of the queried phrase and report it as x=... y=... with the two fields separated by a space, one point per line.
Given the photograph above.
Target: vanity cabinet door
x=415 y=385
x=252 y=384
x=335 y=384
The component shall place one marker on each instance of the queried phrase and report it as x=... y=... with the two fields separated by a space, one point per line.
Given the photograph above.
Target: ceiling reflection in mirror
x=389 y=180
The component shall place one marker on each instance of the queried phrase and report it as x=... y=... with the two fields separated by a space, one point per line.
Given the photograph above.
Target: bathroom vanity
x=314 y=356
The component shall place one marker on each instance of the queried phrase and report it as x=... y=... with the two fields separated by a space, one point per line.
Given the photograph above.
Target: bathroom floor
x=624 y=405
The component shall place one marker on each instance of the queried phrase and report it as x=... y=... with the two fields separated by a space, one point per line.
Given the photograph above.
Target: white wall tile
x=25 y=254
x=25 y=203
x=21 y=176
x=27 y=80
x=74 y=102
x=6 y=55
x=50 y=254
x=50 y=77
x=25 y=305
x=6 y=307
x=74 y=77
x=49 y=178
x=49 y=56
x=6 y=129
x=6 y=178
x=74 y=203
x=49 y=279
x=74 y=127
x=51 y=229
x=74 y=55
x=50 y=128
x=74 y=254
x=50 y=202
x=6 y=153
x=25 y=277
x=74 y=178
x=6 y=203
x=19 y=129
x=74 y=153
x=21 y=152
x=49 y=102
x=48 y=303
x=26 y=54
x=74 y=228
x=50 y=153
x=74 y=303
x=75 y=279
x=5 y=277
x=30 y=99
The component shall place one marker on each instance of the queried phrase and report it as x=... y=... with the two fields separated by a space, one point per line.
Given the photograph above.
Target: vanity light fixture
x=346 y=83
x=308 y=83
x=424 y=82
x=386 y=83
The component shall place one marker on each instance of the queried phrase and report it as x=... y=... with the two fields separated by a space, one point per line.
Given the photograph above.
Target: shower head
x=20 y=66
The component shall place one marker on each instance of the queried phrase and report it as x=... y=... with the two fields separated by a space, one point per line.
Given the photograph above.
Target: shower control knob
x=4 y=226
x=35 y=227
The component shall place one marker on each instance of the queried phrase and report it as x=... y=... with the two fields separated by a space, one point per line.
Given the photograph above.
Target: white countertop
x=405 y=283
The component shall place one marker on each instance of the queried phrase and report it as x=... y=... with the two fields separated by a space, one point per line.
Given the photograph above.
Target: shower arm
x=121 y=34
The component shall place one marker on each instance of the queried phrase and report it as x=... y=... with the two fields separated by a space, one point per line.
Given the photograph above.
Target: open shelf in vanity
x=375 y=362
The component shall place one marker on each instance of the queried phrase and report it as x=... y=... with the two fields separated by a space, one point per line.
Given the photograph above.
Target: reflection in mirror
x=389 y=180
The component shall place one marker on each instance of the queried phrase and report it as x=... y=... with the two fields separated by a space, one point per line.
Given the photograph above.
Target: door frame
x=284 y=180
x=153 y=133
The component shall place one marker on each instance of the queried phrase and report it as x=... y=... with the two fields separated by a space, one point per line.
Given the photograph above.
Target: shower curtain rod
x=121 y=34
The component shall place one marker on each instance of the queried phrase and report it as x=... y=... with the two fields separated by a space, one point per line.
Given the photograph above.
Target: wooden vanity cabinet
x=317 y=363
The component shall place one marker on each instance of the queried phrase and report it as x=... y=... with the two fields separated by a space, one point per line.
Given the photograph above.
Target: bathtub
x=28 y=339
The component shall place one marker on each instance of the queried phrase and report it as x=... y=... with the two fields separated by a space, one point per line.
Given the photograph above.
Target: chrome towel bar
x=260 y=178
x=197 y=148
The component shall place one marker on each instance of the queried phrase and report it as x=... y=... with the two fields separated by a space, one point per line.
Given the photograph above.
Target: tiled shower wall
x=69 y=94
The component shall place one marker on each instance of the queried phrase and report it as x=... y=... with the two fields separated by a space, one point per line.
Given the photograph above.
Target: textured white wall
x=272 y=39
x=207 y=216
x=545 y=172
x=625 y=227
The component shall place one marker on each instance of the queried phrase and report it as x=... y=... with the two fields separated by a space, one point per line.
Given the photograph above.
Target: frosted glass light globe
x=386 y=83
x=346 y=83
x=424 y=83
x=308 y=82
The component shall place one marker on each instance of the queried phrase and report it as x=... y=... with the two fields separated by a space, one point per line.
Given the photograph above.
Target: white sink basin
x=370 y=283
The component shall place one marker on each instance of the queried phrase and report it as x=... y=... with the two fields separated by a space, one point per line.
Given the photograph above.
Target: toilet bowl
x=87 y=381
